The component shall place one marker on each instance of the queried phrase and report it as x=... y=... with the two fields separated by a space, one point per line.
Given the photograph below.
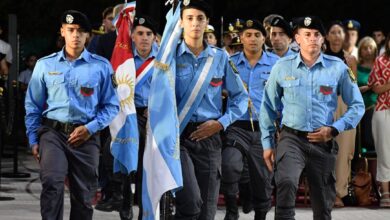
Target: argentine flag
x=124 y=129
x=162 y=168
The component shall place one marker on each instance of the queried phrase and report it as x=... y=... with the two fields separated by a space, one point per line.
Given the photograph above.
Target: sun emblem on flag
x=125 y=91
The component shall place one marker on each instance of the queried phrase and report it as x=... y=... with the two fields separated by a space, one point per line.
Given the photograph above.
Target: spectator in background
x=379 y=80
x=335 y=38
x=106 y=27
x=25 y=75
x=3 y=65
x=367 y=52
x=5 y=48
x=379 y=36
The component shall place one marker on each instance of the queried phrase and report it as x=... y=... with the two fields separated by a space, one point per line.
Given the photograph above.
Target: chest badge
x=85 y=91
x=326 y=90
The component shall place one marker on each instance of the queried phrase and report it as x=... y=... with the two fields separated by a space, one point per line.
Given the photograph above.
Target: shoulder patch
x=113 y=81
x=352 y=75
x=234 y=68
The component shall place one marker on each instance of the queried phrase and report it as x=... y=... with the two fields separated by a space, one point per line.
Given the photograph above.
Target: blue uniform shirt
x=142 y=93
x=254 y=78
x=78 y=91
x=309 y=96
x=210 y=106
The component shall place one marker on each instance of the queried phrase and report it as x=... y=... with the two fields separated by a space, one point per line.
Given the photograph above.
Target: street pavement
x=26 y=206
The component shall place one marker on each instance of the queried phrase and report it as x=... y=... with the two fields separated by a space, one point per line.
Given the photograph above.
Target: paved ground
x=26 y=204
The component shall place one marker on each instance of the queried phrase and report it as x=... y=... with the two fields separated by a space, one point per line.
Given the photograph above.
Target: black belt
x=247 y=125
x=67 y=128
x=296 y=132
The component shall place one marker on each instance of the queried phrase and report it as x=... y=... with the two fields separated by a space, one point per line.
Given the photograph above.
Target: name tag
x=289 y=78
x=53 y=73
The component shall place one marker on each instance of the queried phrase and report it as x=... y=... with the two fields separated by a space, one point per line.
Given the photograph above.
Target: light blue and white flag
x=162 y=168
x=124 y=127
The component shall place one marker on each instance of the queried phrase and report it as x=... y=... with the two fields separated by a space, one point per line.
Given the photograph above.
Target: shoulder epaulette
x=97 y=57
x=48 y=56
x=334 y=58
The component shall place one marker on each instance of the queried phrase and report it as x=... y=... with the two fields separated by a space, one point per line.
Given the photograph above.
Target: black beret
x=352 y=25
x=280 y=22
x=236 y=41
x=197 y=4
x=146 y=21
x=239 y=24
x=254 y=24
x=311 y=22
x=76 y=17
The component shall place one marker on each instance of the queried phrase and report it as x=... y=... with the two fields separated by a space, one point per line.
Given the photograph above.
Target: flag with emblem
x=161 y=165
x=124 y=128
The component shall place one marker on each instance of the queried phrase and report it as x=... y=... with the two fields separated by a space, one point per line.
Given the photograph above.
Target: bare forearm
x=379 y=89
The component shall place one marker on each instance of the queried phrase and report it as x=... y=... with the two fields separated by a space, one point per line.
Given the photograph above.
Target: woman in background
x=335 y=38
x=367 y=51
x=379 y=80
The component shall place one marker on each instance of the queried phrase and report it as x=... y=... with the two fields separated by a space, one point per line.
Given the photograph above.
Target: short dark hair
x=107 y=11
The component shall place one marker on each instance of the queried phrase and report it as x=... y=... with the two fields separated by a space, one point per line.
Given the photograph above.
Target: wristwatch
x=334 y=132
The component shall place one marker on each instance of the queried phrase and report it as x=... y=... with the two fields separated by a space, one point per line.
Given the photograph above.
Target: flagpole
x=166 y=202
x=222 y=43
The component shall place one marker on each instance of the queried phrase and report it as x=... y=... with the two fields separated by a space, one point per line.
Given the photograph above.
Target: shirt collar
x=264 y=59
x=299 y=61
x=183 y=48
x=85 y=55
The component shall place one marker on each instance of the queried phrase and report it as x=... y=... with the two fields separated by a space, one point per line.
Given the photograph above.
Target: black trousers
x=141 y=119
x=241 y=144
x=293 y=155
x=201 y=162
x=80 y=164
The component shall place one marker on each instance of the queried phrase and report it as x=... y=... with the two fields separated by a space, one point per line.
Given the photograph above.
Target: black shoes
x=109 y=205
x=126 y=214
x=231 y=208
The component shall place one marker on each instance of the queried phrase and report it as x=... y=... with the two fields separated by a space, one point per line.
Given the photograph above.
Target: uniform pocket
x=54 y=80
x=325 y=89
x=290 y=88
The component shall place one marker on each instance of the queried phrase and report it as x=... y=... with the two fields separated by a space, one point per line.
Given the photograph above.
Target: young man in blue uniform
x=307 y=84
x=281 y=35
x=201 y=73
x=243 y=136
x=69 y=99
